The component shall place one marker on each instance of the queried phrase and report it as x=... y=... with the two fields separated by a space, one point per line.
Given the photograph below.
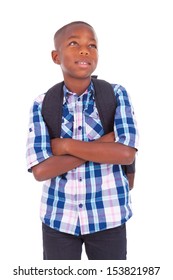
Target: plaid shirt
x=93 y=196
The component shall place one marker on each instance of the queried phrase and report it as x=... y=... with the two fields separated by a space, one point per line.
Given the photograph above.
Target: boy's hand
x=58 y=146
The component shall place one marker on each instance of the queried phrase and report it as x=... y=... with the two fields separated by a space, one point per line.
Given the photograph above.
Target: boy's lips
x=83 y=62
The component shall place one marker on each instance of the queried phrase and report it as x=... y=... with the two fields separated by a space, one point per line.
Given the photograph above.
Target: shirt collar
x=89 y=91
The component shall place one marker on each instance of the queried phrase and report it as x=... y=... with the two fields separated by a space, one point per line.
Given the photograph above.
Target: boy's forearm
x=55 y=166
x=113 y=153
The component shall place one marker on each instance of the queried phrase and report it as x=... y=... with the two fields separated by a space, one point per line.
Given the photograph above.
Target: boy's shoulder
x=116 y=86
x=119 y=90
x=38 y=100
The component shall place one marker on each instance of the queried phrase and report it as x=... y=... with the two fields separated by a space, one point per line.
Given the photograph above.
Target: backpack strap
x=105 y=103
x=106 y=106
x=52 y=109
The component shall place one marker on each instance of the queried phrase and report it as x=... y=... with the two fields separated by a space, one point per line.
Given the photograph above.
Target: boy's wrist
x=70 y=146
x=67 y=145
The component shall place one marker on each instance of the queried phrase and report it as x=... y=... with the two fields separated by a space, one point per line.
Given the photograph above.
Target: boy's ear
x=55 y=57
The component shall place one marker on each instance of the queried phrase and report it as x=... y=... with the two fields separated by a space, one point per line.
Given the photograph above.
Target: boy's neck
x=77 y=86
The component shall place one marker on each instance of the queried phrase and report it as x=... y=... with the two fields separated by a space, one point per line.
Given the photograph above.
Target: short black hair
x=63 y=28
x=69 y=24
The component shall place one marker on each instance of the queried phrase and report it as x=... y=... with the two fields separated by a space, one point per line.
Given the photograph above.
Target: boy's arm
x=101 y=152
x=59 y=164
x=55 y=166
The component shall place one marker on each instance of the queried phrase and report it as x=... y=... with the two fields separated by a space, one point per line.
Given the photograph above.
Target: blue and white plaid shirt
x=93 y=196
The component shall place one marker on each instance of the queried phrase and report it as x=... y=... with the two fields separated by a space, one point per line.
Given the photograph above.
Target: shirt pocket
x=93 y=126
x=67 y=128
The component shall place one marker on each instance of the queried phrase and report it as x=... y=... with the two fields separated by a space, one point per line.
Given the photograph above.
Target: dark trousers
x=108 y=244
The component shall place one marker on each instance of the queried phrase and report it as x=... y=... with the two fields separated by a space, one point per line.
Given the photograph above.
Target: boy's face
x=76 y=51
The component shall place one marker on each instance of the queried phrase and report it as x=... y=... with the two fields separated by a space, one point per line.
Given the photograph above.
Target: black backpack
x=106 y=106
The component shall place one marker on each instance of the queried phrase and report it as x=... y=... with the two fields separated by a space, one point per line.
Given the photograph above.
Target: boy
x=85 y=195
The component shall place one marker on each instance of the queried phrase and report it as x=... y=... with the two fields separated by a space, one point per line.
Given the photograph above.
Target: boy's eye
x=93 y=46
x=73 y=43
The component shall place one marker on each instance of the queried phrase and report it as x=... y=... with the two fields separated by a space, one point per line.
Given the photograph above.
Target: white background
x=136 y=50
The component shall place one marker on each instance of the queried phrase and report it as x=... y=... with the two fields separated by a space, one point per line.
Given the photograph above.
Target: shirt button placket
x=80 y=180
x=79 y=136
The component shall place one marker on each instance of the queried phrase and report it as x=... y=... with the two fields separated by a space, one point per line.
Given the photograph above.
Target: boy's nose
x=83 y=52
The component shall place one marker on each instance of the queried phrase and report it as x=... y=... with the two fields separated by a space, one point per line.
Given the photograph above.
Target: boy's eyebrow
x=78 y=37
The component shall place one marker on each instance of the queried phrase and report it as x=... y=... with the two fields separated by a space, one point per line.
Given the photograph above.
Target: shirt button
x=80 y=179
x=78 y=99
x=80 y=127
x=80 y=205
